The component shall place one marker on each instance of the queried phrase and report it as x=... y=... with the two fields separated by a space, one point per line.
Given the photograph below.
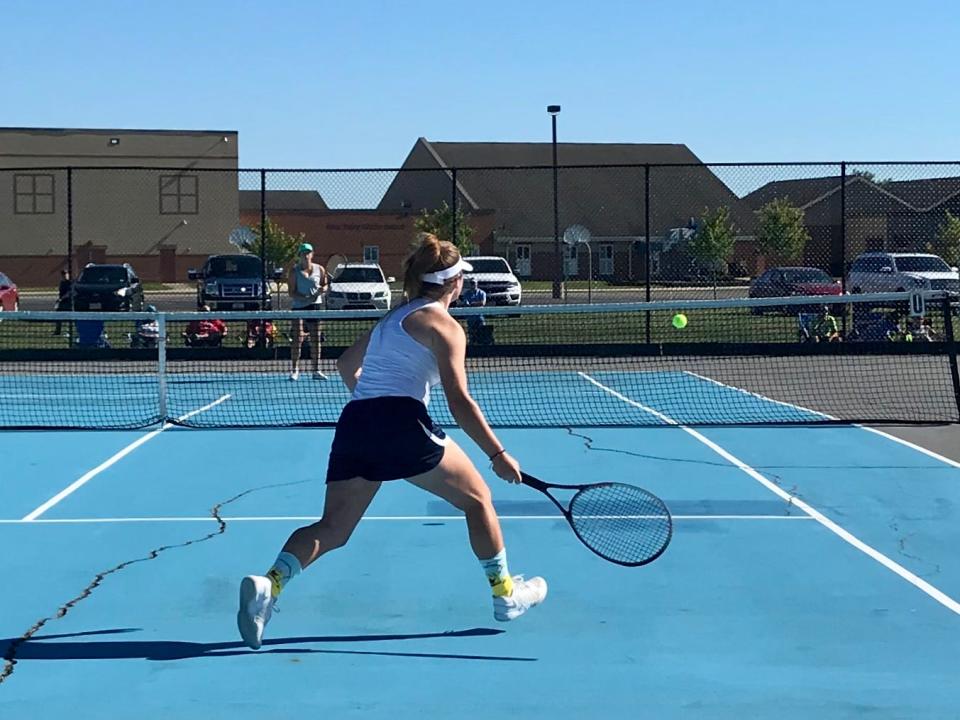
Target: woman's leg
x=457 y=481
x=345 y=503
x=296 y=342
x=315 y=349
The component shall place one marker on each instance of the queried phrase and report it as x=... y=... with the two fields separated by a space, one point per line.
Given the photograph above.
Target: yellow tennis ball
x=679 y=321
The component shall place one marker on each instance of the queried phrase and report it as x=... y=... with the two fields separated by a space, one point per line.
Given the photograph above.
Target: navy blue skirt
x=385 y=438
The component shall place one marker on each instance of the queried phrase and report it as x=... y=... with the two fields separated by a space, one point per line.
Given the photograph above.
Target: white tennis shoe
x=526 y=594
x=256 y=607
x=295 y=375
x=317 y=375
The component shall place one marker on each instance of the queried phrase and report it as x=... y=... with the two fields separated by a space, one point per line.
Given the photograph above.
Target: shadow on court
x=53 y=647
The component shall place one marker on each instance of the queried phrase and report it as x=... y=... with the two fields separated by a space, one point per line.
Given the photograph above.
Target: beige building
x=161 y=200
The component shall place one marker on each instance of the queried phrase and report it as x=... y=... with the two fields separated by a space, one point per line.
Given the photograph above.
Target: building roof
x=917 y=195
x=801 y=192
x=80 y=148
x=282 y=200
x=926 y=193
x=516 y=180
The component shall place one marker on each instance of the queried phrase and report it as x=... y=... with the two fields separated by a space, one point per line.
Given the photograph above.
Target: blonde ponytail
x=429 y=254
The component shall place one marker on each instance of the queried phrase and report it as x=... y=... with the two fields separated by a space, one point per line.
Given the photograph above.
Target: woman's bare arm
x=349 y=365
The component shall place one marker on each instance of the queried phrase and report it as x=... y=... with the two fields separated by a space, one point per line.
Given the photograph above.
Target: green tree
x=947 y=244
x=712 y=244
x=440 y=223
x=781 y=235
x=278 y=246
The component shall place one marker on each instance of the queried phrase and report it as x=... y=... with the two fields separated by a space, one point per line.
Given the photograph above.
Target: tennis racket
x=334 y=264
x=623 y=524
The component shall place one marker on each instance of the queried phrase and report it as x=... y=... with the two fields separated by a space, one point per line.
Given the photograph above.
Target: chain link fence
x=584 y=234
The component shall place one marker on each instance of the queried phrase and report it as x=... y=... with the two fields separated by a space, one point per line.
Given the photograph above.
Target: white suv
x=900 y=272
x=359 y=286
x=495 y=278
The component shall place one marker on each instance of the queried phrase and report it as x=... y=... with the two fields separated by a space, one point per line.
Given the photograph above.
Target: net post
x=951 y=349
x=162 y=365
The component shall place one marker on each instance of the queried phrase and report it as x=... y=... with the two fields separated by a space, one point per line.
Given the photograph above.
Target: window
x=360 y=275
x=921 y=263
x=870 y=264
x=490 y=265
x=571 y=266
x=178 y=195
x=371 y=254
x=103 y=275
x=523 y=260
x=606 y=259
x=33 y=194
x=233 y=266
x=806 y=275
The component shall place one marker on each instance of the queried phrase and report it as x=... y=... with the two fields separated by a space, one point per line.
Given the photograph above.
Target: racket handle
x=532 y=481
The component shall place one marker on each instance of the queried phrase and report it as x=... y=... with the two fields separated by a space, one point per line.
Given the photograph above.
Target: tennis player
x=384 y=433
x=307 y=282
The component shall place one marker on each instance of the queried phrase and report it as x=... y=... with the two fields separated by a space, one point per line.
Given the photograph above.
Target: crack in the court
x=717 y=463
x=773 y=477
x=10 y=656
x=934 y=568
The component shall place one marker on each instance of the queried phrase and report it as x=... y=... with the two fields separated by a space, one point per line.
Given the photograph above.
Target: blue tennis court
x=812 y=570
x=560 y=397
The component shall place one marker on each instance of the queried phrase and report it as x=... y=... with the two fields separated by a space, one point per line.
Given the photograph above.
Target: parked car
x=359 y=286
x=9 y=294
x=898 y=272
x=789 y=281
x=107 y=287
x=232 y=282
x=496 y=279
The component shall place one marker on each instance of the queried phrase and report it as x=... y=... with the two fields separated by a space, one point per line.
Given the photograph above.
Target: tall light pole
x=554 y=110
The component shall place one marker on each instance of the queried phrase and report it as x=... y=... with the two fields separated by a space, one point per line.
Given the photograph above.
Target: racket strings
x=622 y=523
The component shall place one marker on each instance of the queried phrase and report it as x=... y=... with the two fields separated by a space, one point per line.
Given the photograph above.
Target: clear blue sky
x=354 y=83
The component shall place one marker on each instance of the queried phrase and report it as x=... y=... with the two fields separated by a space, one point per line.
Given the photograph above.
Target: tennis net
x=747 y=361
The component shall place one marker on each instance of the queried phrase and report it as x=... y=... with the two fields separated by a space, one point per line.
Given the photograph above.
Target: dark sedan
x=790 y=281
x=793 y=281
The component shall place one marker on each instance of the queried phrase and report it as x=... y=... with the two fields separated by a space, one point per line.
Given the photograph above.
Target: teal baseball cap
x=304 y=248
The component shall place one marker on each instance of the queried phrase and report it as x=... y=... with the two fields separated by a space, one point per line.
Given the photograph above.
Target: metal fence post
x=646 y=240
x=453 y=206
x=843 y=226
x=263 y=239
x=73 y=278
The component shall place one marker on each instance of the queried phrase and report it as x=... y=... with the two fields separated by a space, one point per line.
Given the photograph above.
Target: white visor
x=441 y=276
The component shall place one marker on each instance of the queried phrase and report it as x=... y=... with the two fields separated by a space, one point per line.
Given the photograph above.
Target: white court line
x=888 y=436
x=86 y=477
x=372 y=518
x=833 y=527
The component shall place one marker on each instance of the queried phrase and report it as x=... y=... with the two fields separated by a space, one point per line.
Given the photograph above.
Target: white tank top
x=307 y=286
x=395 y=364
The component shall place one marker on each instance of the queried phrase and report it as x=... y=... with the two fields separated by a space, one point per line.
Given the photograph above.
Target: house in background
x=361 y=235
x=514 y=181
x=175 y=206
x=891 y=215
